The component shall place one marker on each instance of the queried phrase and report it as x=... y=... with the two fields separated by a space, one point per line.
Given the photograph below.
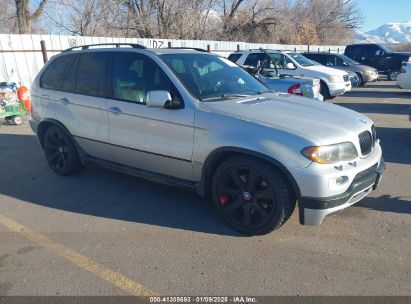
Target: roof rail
x=87 y=46
x=187 y=48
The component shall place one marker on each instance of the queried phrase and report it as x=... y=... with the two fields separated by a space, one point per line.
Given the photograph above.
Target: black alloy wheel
x=252 y=196
x=60 y=152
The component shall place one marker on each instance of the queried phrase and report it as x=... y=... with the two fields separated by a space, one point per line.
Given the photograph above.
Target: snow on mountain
x=388 y=33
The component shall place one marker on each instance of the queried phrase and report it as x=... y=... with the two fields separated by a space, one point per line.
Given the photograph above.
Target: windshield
x=304 y=61
x=209 y=77
x=349 y=60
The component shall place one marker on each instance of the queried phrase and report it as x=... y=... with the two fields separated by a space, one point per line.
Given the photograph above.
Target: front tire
x=393 y=75
x=252 y=196
x=60 y=151
x=361 y=80
x=325 y=91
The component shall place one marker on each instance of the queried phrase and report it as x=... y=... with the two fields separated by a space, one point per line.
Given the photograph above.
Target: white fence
x=21 y=56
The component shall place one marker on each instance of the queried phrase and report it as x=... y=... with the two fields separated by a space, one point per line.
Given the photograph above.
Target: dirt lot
x=105 y=233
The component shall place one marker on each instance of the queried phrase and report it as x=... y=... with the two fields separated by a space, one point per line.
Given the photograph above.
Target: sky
x=379 y=12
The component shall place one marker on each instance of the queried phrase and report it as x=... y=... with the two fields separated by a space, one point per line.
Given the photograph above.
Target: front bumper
x=314 y=210
x=338 y=88
x=371 y=77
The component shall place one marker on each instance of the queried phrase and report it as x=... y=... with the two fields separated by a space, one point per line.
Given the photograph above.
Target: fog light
x=341 y=180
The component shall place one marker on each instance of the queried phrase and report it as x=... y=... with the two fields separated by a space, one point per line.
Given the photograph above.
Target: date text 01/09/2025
x=202 y=299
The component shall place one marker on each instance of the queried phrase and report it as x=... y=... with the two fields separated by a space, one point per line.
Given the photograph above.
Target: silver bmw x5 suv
x=189 y=118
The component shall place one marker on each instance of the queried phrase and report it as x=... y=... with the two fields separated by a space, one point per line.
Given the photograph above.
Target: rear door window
x=254 y=58
x=357 y=53
x=317 y=57
x=91 y=73
x=55 y=73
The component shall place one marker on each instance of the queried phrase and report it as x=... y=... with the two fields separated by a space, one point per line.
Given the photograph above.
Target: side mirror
x=158 y=99
x=290 y=66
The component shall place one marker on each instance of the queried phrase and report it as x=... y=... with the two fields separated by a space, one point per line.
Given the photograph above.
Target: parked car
x=404 y=78
x=337 y=61
x=379 y=57
x=189 y=118
x=333 y=82
x=302 y=86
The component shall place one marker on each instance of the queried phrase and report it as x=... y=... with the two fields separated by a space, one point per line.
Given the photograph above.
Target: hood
x=320 y=122
x=356 y=68
x=364 y=67
x=402 y=54
x=326 y=70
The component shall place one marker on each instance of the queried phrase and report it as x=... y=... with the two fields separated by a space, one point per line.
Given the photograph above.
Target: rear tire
x=60 y=151
x=251 y=195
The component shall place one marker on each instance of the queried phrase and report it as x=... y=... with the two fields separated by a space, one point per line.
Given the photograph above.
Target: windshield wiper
x=225 y=97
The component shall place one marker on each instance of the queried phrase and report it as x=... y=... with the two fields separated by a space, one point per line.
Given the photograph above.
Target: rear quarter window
x=55 y=74
x=234 y=57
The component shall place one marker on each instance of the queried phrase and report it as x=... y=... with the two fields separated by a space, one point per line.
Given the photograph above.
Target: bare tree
x=269 y=21
x=8 y=20
x=24 y=18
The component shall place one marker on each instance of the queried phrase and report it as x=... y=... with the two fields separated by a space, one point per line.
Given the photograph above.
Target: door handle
x=114 y=110
x=64 y=101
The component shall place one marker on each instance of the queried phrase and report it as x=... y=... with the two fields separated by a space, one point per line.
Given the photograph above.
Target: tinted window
x=356 y=53
x=55 y=73
x=330 y=60
x=319 y=58
x=135 y=74
x=339 y=61
x=254 y=58
x=370 y=50
x=234 y=57
x=348 y=60
x=69 y=81
x=90 y=74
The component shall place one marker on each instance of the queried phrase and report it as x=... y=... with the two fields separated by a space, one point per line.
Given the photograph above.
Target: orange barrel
x=24 y=96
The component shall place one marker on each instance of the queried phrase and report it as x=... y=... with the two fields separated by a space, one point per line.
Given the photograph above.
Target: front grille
x=346 y=78
x=366 y=142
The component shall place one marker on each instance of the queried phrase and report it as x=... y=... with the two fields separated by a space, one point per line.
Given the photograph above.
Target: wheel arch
x=46 y=123
x=219 y=155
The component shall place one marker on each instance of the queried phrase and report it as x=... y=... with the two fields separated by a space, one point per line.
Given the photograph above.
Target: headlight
x=336 y=78
x=331 y=154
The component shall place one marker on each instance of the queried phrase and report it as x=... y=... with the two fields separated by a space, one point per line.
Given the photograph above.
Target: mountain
x=387 y=33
